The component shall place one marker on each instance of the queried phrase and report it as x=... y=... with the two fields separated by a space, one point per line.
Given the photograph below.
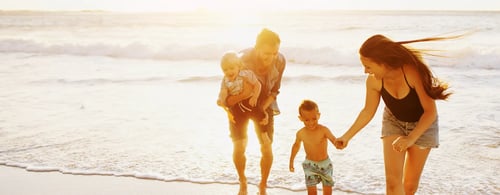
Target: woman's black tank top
x=408 y=109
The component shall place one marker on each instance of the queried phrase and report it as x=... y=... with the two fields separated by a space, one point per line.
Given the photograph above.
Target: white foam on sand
x=19 y=181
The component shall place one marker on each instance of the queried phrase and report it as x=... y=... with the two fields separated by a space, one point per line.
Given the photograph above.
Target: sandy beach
x=19 y=181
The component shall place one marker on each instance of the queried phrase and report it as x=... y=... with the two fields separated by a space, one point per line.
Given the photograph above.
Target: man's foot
x=243 y=187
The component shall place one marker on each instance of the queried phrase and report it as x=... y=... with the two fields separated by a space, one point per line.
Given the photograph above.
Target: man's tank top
x=408 y=109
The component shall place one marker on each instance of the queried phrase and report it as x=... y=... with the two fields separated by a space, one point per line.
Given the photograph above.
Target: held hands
x=402 y=143
x=341 y=142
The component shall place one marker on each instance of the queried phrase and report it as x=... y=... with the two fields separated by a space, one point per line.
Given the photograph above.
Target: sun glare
x=240 y=5
x=191 y=5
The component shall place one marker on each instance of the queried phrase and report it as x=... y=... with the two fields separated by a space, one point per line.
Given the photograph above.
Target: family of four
x=396 y=74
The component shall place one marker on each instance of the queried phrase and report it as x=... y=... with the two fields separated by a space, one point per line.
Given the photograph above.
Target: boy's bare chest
x=313 y=137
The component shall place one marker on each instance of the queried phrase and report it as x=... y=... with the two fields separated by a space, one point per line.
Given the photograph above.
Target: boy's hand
x=291 y=168
x=220 y=103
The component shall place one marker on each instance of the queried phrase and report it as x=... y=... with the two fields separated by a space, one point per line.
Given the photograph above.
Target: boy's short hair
x=267 y=37
x=231 y=57
x=308 y=105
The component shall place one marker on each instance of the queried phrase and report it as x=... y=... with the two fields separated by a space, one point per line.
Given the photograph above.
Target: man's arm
x=280 y=65
x=255 y=93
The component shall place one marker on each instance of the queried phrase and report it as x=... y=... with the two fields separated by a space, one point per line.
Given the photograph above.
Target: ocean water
x=135 y=94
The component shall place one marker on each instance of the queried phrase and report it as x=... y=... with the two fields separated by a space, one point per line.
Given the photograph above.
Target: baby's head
x=231 y=64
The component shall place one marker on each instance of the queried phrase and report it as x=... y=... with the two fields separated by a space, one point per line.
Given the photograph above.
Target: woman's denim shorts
x=392 y=126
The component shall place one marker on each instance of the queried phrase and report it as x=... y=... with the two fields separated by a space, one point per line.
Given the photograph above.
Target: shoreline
x=18 y=180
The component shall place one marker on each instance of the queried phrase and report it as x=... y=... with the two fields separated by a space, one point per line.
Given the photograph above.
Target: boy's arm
x=223 y=93
x=295 y=150
x=330 y=135
x=255 y=93
x=221 y=101
x=231 y=100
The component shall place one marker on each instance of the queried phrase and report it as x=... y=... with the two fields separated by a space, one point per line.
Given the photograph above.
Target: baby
x=235 y=80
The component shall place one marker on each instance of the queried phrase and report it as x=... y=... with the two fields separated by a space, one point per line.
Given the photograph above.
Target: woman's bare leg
x=394 y=162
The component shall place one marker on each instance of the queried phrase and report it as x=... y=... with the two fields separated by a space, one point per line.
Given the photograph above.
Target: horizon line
x=263 y=11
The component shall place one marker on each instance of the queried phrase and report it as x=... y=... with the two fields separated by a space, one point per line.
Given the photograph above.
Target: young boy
x=233 y=83
x=317 y=165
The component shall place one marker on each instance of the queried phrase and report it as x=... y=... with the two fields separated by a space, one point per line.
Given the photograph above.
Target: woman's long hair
x=382 y=50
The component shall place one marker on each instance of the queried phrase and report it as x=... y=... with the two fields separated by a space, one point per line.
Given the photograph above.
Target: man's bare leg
x=266 y=162
x=239 y=160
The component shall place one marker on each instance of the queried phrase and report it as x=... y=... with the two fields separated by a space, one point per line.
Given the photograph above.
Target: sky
x=246 y=5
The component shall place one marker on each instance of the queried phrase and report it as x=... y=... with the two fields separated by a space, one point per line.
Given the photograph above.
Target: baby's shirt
x=236 y=87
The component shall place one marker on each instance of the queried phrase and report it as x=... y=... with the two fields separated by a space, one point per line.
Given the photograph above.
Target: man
x=268 y=65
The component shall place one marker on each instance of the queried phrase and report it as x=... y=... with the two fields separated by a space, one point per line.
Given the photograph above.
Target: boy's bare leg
x=327 y=190
x=312 y=190
x=239 y=160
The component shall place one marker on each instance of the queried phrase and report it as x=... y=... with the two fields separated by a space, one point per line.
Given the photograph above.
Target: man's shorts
x=392 y=126
x=238 y=130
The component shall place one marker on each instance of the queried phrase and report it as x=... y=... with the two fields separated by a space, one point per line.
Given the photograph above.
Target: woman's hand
x=402 y=143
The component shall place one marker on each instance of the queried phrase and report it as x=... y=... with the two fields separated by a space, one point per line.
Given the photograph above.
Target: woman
x=410 y=122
